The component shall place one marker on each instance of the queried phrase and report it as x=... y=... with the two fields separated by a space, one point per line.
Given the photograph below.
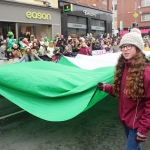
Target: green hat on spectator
x=45 y=38
x=57 y=48
x=10 y=33
x=50 y=41
x=39 y=51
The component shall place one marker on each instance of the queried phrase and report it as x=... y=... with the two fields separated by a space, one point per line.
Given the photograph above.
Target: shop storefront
x=83 y=20
x=21 y=18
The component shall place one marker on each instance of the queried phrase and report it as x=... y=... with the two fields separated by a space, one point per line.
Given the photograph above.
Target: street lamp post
x=135 y=14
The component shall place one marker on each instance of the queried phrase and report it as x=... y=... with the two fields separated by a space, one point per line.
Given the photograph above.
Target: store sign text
x=88 y=13
x=98 y=28
x=79 y=26
x=38 y=15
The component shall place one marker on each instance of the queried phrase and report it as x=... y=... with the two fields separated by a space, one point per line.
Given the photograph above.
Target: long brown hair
x=134 y=87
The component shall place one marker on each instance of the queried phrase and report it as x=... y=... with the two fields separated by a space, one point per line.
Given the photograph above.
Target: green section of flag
x=50 y=91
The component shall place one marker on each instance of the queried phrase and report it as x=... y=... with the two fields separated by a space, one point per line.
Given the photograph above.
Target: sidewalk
x=96 y=129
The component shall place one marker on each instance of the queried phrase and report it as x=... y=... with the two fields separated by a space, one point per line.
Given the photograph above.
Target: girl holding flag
x=132 y=87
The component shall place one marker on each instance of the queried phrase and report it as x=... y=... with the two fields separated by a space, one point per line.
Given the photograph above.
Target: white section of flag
x=93 y=62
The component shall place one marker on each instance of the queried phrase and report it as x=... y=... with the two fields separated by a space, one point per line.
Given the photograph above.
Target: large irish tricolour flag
x=57 y=91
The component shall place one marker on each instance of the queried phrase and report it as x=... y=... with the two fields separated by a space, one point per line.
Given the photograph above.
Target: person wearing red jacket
x=132 y=87
x=84 y=50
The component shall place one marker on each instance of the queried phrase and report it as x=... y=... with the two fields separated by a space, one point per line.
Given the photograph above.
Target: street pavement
x=95 y=129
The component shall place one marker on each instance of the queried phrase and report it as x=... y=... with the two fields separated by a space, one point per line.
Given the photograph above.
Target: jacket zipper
x=135 y=116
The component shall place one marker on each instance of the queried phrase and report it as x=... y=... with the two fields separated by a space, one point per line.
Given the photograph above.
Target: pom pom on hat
x=133 y=38
x=136 y=31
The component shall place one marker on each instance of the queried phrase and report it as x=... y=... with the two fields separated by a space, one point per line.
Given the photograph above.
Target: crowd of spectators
x=28 y=48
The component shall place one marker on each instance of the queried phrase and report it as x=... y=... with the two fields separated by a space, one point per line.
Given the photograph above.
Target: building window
x=115 y=7
x=36 y=29
x=77 y=19
x=145 y=17
x=145 y=3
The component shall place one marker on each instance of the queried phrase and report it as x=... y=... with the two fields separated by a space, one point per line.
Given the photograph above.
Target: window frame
x=144 y=1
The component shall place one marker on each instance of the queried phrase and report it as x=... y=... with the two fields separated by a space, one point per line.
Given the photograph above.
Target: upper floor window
x=145 y=17
x=145 y=3
x=115 y=7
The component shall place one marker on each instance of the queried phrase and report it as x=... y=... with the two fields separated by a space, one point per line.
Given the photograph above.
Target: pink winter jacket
x=134 y=114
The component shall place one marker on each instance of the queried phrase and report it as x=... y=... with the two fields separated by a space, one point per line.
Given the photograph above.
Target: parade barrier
x=57 y=91
x=98 y=52
x=6 y=62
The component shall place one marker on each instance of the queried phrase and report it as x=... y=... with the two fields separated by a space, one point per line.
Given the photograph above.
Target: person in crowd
x=67 y=52
x=46 y=43
x=25 y=40
x=42 y=46
x=114 y=48
x=29 y=56
x=105 y=46
x=69 y=44
x=1 y=36
x=132 y=85
x=10 y=42
x=57 y=55
x=108 y=46
x=96 y=46
x=27 y=35
x=84 y=50
x=50 y=49
x=35 y=46
x=101 y=37
x=16 y=51
x=3 y=50
x=22 y=43
x=32 y=37
x=61 y=46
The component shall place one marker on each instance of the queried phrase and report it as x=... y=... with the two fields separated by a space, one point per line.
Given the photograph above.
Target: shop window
x=71 y=19
x=7 y=26
x=37 y=30
x=102 y=24
x=82 y=20
x=73 y=32
x=76 y=19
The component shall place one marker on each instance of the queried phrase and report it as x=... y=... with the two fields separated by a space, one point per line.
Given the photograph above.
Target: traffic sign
x=135 y=15
x=121 y=25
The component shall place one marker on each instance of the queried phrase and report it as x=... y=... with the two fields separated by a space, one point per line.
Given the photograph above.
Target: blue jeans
x=131 y=142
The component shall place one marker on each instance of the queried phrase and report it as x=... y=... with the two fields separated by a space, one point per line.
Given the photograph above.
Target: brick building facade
x=142 y=7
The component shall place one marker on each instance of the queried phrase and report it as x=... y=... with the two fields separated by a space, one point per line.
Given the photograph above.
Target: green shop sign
x=38 y=15
x=68 y=8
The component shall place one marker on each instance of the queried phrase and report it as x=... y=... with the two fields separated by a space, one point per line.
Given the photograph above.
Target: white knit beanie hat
x=133 y=37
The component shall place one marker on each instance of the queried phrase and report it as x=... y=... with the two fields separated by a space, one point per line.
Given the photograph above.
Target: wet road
x=96 y=129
